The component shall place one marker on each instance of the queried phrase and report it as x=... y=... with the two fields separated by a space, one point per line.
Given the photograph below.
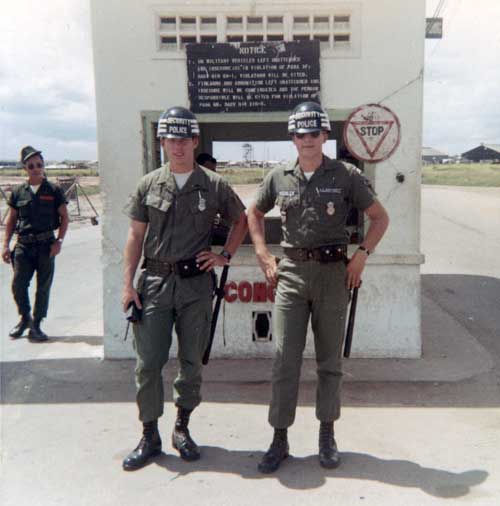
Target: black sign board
x=252 y=76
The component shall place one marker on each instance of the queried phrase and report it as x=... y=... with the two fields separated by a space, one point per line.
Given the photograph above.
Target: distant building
x=8 y=164
x=483 y=153
x=431 y=155
x=56 y=166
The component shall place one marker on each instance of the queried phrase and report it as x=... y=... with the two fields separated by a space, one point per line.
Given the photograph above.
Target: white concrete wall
x=132 y=77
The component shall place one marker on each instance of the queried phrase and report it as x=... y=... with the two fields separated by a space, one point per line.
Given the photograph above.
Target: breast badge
x=202 y=203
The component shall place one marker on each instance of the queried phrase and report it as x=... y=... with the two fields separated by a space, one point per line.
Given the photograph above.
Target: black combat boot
x=22 y=325
x=149 y=446
x=181 y=440
x=278 y=451
x=36 y=334
x=328 y=454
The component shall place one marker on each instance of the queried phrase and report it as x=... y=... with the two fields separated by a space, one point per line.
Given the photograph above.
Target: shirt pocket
x=157 y=202
x=287 y=205
x=47 y=216
x=24 y=208
x=331 y=209
x=46 y=207
x=203 y=210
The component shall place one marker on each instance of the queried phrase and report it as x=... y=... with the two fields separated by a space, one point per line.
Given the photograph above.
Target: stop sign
x=372 y=133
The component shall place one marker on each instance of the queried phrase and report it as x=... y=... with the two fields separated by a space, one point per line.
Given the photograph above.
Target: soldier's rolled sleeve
x=60 y=197
x=12 y=200
x=363 y=194
x=266 y=195
x=230 y=206
x=135 y=208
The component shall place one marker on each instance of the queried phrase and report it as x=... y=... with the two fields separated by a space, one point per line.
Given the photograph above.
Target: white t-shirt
x=181 y=178
x=34 y=187
x=308 y=174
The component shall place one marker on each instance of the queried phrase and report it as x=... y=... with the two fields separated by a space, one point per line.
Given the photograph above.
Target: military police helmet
x=178 y=123
x=308 y=117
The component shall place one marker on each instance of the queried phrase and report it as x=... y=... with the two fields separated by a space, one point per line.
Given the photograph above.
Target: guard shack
x=363 y=53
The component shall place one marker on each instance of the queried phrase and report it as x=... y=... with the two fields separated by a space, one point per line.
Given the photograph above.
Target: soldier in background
x=171 y=213
x=37 y=208
x=314 y=195
x=207 y=161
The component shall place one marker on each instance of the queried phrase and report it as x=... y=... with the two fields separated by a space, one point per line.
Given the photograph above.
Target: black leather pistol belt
x=32 y=238
x=323 y=254
x=184 y=268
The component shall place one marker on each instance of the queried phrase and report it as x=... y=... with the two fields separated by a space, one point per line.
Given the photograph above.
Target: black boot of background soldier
x=149 y=446
x=22 y=325
x=181 y=439
x=328 y=454
x=278 y=451
x=36 y=334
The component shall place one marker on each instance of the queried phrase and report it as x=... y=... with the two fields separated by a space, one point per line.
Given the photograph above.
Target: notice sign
x=252 y=76
x=372 y=133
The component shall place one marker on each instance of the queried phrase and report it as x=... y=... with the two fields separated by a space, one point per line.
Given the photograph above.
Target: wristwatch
x=226 y=255
x=366 y=250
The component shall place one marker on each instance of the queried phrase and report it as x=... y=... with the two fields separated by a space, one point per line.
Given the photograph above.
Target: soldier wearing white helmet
x=171 y=213
x=313 y=278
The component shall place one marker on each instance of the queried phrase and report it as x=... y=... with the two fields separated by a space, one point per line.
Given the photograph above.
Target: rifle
x=219 y=292
x=350 y=324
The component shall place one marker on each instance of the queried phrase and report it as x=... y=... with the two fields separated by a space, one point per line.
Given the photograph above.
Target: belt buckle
x=309 y=254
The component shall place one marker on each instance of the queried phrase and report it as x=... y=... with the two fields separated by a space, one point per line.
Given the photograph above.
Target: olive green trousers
x=308 y=290
x=168 y=301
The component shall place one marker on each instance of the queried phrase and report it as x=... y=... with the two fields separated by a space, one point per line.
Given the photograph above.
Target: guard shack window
x=337 y=30
x=248 y=163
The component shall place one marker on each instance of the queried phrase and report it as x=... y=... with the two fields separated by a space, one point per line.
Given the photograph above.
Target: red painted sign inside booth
x=246 y=291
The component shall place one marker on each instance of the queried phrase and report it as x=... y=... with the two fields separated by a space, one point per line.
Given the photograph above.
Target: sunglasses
x=312 y=134
x=37 y=165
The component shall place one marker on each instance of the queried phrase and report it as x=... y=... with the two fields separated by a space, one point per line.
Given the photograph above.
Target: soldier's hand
x=269 y=267
x=55 y=248
x=355 y=268
x=209 y=260
x=129 y=295
x=6 y=255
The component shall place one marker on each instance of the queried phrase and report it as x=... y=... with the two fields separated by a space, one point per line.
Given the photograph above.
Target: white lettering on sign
x=253 y=50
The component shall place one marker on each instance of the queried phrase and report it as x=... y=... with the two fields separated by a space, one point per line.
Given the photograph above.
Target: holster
x=135 y=314
x=188 y=268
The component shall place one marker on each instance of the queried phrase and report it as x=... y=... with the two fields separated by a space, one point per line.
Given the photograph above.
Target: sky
x=47 y=84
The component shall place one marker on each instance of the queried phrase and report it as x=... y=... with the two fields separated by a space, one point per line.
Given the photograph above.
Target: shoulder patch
x=352 y=168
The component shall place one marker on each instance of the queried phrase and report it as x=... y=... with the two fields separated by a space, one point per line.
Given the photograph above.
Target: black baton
x=219 y=292
x=350 y=324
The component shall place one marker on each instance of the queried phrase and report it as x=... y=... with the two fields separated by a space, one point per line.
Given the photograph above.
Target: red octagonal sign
x=372 y=133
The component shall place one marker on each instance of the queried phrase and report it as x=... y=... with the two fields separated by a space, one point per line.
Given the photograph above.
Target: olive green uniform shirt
x=314 y=212
x=37 y=212
x=180 y=221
